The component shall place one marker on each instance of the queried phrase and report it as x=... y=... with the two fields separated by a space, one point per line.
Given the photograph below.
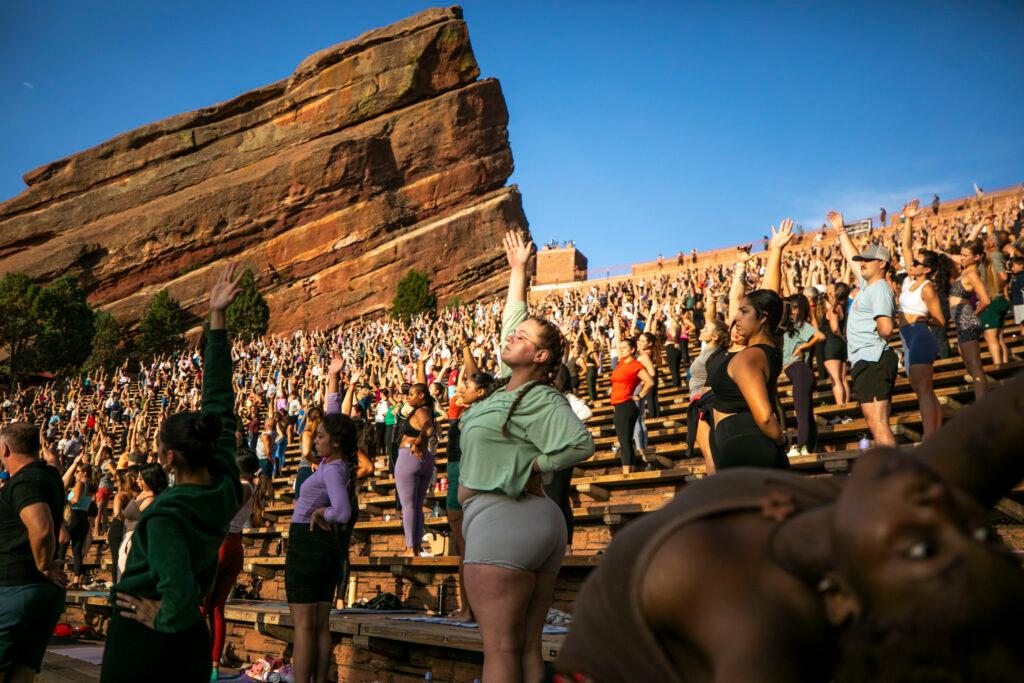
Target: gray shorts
x=527 y=534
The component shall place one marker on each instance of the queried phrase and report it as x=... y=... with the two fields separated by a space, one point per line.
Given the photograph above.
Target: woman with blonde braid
x=516 y=536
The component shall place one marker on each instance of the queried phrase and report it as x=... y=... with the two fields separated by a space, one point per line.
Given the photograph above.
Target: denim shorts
x=28 y=614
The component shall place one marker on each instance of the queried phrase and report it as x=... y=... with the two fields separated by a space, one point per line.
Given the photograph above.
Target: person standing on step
x=968 y=299
x=32 y=585
x=628 y=377
x=473 y=386
x=515 y=535
x=673 y=354
x=798 y=340
x=415 y=466
x=920 y=309
x=230 y=557
x=313 y=562
x=834 y=326
x=747 y=432
x=173 y=561
x=873 y=363
x=151 y=481
x=308 y=458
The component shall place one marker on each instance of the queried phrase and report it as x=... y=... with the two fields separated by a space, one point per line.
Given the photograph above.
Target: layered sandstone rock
x=375 y=156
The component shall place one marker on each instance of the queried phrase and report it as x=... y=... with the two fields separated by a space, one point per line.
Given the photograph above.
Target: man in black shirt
x=31 y=581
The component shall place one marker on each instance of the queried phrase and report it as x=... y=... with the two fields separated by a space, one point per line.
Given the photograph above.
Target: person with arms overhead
x=873 y=364
x=173 y=560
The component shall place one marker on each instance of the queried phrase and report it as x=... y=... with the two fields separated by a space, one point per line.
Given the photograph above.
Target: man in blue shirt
x=873 y=365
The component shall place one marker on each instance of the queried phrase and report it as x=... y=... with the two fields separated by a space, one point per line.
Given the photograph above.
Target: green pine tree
x=248 y=316
x=413 y=296
x=66 y=325
x=18 y=327
x=162 y=328
x=107 y=351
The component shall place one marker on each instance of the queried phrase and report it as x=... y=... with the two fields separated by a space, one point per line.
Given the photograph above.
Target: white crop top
x=911 y=302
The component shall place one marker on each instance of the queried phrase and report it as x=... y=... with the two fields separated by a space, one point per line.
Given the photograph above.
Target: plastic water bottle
x=864 y=443
x=428 y=676
x=436 y=512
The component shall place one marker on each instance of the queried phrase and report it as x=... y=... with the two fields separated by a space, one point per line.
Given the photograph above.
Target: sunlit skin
x=904 y=546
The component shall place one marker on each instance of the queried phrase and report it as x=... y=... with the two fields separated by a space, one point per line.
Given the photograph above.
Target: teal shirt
x=174 y=549
x=544 y=429
x=790 y=342
x=862 y=339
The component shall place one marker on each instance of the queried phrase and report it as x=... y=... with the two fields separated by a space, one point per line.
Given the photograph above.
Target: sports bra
x=911 y=302
x=958 y=290
x=728 y=397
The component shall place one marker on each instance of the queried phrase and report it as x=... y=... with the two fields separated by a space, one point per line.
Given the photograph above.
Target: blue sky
x=637 y=128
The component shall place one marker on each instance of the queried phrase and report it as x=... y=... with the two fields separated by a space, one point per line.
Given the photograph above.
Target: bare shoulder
x=711 y=586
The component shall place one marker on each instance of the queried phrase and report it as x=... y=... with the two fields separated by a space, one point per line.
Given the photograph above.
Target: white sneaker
x=793 y=452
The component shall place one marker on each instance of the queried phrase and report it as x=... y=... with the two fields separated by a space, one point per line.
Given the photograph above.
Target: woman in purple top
x=313 y=564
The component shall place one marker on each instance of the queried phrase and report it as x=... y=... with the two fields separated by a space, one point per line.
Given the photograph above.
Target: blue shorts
x=28 y=614
x=919 y=345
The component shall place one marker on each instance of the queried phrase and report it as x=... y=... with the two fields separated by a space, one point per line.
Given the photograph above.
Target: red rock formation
x=377 y=155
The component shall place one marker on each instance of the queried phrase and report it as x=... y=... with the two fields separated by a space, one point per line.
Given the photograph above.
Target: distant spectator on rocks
x=693 y=255
x=881 y=216
x=935 y=205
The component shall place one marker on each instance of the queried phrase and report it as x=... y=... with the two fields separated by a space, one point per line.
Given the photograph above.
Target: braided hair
x=550 y=340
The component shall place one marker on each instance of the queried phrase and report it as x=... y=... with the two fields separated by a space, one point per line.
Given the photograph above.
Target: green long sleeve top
x=544 y=429
x=174 y=550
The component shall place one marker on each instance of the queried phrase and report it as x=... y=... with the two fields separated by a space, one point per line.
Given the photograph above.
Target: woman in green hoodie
x=173 y=561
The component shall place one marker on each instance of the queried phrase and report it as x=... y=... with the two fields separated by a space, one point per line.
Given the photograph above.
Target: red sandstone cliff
x=376 y=155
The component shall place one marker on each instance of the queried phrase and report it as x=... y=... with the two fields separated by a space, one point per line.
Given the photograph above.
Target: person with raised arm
x=843 y=580
x=173 y=559
x=747 y=432
x=515 y=535
x=873 y=364
x=920 y=309
x=313 y=563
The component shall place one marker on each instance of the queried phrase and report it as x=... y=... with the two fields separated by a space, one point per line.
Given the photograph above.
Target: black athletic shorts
x=875 y=381
x=312 y=565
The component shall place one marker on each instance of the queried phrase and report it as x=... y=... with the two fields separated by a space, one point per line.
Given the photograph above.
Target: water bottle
x=864 y=443
x=437 y=510
x=428 y=676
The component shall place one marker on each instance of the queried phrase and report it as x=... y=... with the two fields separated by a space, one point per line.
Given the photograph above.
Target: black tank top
x=728 y=397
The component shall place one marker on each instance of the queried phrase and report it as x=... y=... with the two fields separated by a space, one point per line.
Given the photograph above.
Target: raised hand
x=334 y=369
x=782 y=236
x=835 y=219
x=516 y=251
x=225 y=289
x=743 y=253
x=912 y=209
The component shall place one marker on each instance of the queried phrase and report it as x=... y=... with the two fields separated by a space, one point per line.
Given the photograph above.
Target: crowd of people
x=172 y=459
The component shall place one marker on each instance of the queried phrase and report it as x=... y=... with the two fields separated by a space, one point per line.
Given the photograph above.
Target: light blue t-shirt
x=862 y=339
x=801 y=335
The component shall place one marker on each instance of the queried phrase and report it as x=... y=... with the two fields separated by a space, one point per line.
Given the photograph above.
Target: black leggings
x=115 y=534
x=803 y=401
x=739 y=442
x=626 y=415
x=134 y=652
x=592 y=383
x=693 y=417
x=344 y=534
x=651 y=407
x=558 y=491
x=78 y=529
x=674 y=358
